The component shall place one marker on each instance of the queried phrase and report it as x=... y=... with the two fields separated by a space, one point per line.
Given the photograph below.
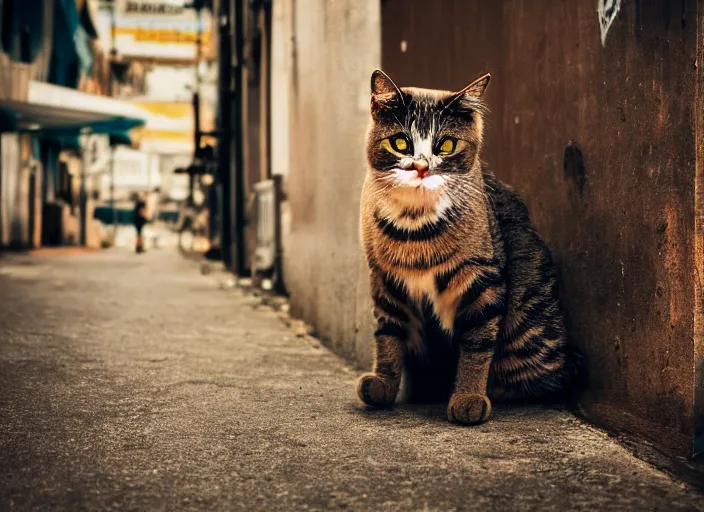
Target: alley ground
x=135 y=383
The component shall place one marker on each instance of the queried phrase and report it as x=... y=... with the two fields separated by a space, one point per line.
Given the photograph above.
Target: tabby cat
x=465 y=290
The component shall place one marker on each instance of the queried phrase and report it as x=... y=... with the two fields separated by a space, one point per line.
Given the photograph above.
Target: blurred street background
x=129 y=381
x=100 y=102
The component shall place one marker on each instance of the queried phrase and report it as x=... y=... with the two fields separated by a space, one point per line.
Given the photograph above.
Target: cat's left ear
x=474 y=90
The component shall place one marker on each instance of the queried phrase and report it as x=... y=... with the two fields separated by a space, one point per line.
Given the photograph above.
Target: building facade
x=55 y=114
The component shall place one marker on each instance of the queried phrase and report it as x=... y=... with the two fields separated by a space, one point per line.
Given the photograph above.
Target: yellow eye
x=400 y=143
x=448 y=146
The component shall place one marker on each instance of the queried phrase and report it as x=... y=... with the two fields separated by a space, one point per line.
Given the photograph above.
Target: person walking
x=140 y=219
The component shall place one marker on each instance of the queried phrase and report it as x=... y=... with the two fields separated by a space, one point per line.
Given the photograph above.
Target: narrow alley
x=135 y=383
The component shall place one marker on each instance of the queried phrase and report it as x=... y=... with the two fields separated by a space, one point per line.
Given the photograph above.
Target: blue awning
x=118 y=129
x=120 y=139
x=115 y=125
x=62 y=113
x=68 y=141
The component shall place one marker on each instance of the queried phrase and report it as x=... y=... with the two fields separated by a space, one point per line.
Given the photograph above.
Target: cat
x=465 y=290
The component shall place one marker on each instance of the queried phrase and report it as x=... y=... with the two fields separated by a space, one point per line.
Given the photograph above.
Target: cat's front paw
x=468 y=408
x=375 y=390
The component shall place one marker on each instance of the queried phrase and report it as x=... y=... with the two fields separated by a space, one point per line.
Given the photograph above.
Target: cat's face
x=422 y=142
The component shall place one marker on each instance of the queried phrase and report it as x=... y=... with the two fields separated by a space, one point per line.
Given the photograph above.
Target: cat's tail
x=568 y=384
x=577 y=374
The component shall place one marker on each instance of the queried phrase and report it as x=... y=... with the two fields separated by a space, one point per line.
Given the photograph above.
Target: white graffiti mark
x=607 y=10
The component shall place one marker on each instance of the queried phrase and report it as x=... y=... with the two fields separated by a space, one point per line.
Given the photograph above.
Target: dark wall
x=601 y=142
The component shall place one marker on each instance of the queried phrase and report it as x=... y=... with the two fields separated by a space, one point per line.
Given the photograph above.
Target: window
x=22 y=28
x=7 y=18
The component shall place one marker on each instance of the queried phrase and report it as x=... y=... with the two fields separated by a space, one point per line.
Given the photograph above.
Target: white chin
x=410 y=179
x=412 y=183
x=430 y=183
x=417 y=192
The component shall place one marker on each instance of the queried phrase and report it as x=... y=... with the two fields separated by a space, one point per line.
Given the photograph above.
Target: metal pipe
x=196 y=151
x=239 y=250
x=2 y=220
x=224 y=141
x=198 y=5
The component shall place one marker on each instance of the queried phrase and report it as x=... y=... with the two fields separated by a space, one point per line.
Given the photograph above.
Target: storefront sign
x=157 y=29
x=153 y=9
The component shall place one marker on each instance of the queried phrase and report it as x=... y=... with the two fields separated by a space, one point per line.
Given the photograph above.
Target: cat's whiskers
x=381 y=192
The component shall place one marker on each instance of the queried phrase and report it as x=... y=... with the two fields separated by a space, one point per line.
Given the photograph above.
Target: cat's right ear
x=384 y=90
x=383 y=86
x=386 y=95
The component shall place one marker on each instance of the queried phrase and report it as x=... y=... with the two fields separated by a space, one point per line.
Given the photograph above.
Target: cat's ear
x=475 y=90
x=383 y=87
x=477 y=87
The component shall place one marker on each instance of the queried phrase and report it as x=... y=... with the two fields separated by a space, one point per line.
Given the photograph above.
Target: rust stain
x=672 y=258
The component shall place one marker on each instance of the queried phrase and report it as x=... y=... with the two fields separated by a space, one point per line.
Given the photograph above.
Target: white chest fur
x=421 y=287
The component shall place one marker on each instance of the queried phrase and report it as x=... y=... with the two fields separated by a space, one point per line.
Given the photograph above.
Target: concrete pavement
x=134 y=383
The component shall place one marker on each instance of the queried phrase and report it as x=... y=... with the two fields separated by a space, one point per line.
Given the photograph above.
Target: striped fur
x=465 y=291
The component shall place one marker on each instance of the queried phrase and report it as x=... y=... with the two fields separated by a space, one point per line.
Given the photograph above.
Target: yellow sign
x=163 y=36
x=167 y=109
x=165 y=134
x=160 y=29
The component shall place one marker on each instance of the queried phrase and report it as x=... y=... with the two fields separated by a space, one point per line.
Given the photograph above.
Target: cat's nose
x=421 y=166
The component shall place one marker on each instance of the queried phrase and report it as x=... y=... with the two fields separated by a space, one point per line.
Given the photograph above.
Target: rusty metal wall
x=601 y=142
x=699 y=244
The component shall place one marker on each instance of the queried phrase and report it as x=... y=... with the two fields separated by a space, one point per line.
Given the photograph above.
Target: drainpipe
x=196 y=94
x=239 y=251
x=2 y=221
x=198 y=6
x=196 y=152
x=224 y=141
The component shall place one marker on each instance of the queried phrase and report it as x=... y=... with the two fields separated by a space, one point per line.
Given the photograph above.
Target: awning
x=120 y=139
x=56 y=111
